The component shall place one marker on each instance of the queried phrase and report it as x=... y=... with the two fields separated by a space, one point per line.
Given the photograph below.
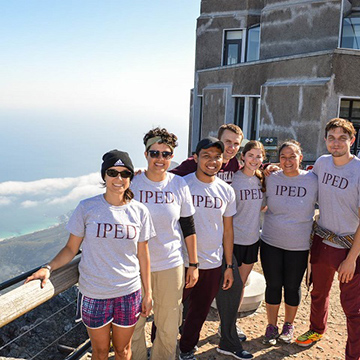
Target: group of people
x=162 y=239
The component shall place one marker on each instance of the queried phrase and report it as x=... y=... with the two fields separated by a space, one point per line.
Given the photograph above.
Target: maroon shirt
x=226 y=172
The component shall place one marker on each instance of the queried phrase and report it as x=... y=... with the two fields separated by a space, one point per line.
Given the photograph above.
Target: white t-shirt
x=167 y=201
x=339 y=195
x=109 y=266
x=291 y=205
x=212 y=202
x=249 y=199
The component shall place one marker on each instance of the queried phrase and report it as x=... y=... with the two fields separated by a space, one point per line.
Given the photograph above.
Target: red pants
x=325 y=261
x=200 y=298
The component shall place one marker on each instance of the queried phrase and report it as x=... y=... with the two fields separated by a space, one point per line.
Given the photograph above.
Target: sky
x=81 y=77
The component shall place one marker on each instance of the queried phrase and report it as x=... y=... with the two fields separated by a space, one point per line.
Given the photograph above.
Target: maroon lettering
x=208 y=202
x=335 y=180
x=217 y=203
x=169 y=197
x=130 y=232
x=119 y=231
x=159 y=197
x=106 y=228
x=291 y=191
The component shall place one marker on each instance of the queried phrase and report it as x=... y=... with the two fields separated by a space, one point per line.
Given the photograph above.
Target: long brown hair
x=254 y=144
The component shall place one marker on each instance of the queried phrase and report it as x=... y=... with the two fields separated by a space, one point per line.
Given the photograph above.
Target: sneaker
x=240 y=333
x=187 y=356
x=239 y=354
x=308 y=338
x=287 y=333
x=271 y=335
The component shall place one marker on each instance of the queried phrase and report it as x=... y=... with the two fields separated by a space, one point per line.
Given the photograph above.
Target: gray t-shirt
x=291 y=204
x=339 y=195
x=249 y=200
x=212 y=202
x=167 y=201
x=109 y=266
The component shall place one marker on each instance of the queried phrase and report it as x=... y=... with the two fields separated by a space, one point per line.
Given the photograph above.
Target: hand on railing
x=43 y=274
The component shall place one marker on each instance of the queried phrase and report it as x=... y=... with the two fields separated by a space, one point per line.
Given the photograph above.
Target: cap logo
x=119 y=163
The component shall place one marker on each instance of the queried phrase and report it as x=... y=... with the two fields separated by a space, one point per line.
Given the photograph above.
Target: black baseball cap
x=209 y=142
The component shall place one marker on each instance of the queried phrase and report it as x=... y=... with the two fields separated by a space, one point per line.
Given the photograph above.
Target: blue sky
x=78 y=78
x=81 y=77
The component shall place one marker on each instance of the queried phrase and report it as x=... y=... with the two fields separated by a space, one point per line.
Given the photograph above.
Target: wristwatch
x=46 y=266
x=195 y=265
x=229 y=266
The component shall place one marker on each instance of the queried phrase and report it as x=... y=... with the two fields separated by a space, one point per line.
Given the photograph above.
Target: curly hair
x=167 y=138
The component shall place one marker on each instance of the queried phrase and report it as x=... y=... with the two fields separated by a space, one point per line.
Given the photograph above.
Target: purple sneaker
x=287 y=333
x=271 y=335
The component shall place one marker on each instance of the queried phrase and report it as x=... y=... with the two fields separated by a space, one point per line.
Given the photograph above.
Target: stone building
x=279 y=69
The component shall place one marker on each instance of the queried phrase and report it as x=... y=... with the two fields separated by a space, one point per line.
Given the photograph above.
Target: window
x=247 y=115
x=350 y=109
x=253 y=43
x=233 y=47
x=351 y=31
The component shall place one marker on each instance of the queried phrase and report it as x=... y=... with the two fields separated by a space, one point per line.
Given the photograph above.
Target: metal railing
x=26 y=297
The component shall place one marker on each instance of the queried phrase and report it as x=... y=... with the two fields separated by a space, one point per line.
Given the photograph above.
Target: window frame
x=241 y=48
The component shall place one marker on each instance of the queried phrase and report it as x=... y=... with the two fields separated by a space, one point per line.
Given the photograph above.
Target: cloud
x=46 y=186
x=5 y=201
x=29 y=204
x=78 y=193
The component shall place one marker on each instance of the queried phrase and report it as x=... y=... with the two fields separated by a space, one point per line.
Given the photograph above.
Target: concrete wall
x=208 y=6
x=216 y=16
x=297 y=27
x=297 y=97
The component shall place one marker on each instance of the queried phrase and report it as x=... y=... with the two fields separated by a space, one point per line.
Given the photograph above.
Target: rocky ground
x=332 y=346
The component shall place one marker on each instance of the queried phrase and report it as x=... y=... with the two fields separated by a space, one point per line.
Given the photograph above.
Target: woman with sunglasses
x=113 y=231
x=168 y=198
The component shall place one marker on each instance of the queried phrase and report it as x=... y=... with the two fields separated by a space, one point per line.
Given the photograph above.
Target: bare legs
x=121 y=338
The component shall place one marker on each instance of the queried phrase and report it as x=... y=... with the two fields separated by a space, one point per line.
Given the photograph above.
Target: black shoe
x=238 y=354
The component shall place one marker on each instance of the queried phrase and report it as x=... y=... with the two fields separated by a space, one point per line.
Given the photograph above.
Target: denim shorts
x=122 y=311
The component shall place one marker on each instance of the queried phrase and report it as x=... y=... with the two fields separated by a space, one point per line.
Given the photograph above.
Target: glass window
x=350 y=109
x=247 y=115
x=253 y=43
x=351 y=31
x=232 y=47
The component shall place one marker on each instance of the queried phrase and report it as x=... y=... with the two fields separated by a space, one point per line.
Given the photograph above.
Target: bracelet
x=229 y=266
x=195 y=265
x=46 y=266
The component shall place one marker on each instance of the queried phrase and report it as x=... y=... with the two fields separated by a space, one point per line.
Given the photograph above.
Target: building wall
x=300 y=77
x=297 y=27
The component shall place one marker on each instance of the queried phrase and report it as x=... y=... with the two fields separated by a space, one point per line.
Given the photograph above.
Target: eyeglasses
x=156 y=154
x=114 y=173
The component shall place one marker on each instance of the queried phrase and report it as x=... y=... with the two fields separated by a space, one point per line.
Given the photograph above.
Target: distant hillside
x=25 y=252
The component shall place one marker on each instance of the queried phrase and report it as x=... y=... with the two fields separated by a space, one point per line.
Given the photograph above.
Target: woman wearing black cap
x=113 y=231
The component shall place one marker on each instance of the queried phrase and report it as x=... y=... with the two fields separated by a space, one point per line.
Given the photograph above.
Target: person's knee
x=100 y=352
x=273 y=294
x=122 y=352
x=292 y=296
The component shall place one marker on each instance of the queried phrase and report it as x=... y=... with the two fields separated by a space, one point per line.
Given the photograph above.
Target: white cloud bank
x=49 y=191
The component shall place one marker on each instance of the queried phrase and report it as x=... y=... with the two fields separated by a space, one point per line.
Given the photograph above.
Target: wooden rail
x=28 y=296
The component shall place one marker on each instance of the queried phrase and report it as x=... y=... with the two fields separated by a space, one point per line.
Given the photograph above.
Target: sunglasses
x=156 y=154
x=114 y=173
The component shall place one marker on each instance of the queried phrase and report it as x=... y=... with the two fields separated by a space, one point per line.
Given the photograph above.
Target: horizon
x=80 y=78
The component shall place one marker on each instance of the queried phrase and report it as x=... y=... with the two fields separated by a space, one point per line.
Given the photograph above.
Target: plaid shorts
x=122 y=311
